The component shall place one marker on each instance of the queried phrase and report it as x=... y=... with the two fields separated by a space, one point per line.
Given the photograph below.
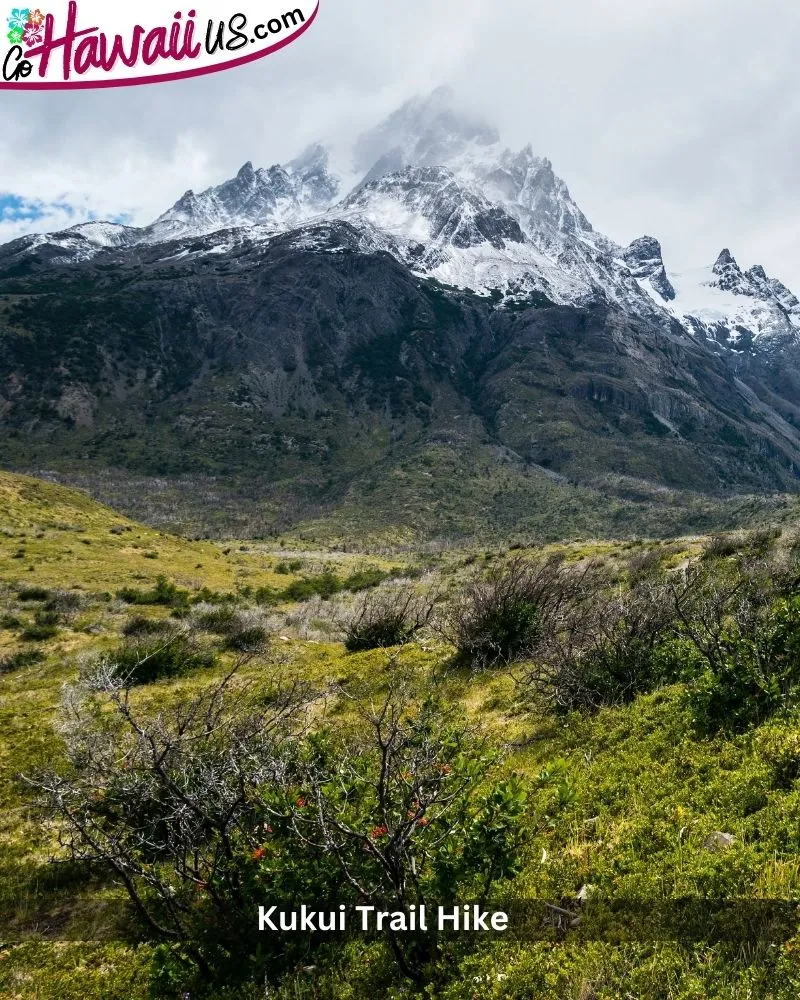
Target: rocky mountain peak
x=757 y=273
x=645 y=260
x=430 y=205
x=279 y=196
x=729 y=275
x=437 y=190
x=725 y=261
x=425 y=131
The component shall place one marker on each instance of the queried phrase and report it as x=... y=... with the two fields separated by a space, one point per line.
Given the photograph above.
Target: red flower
x=301 y=803
x=422 y=822
x=258 y=854
x=377 y=832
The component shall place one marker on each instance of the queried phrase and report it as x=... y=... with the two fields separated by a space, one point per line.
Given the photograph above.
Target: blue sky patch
x=15 y=208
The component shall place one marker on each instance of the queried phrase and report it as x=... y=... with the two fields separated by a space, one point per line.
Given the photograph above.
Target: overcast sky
x=679 y=119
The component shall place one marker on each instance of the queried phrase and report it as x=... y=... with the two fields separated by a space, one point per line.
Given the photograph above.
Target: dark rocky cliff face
x=307 y=374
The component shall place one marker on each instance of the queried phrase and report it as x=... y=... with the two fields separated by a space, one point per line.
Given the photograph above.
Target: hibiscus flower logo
x=20 y=16
x=26 y=25
x=33 y=34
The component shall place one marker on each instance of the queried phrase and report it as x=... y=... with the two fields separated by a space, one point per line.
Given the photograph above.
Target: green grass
x=624 y=800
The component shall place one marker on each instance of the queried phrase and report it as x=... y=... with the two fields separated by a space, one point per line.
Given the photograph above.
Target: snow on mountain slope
x=430 y=205
x=424 y=132
x=724 y=303
x=75 y=245
x=433 y=186
x=281 y=197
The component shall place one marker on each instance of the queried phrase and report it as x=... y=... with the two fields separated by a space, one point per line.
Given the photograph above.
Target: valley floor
x=631 y=804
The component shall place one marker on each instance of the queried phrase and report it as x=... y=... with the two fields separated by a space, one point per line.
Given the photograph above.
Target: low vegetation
x=599 y=737
x=386 y=618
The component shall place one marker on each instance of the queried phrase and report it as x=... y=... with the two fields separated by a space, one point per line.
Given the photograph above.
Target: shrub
x=644 y=565
x=175 y=802
x=247 y=633
x=248 y=640
x=384 y=618
x=326 y=585
x=148 y=660
x=741 y=625
x=365 y=579
x=721 y=546
x=751 y=653
x=759 y=541
x=18 y=661
x=39 y=633
x=268 y=596
x=609 y=651
x=227 y=794
x=139 y=626
x=501 y=617
x=220 y=621
x=30 y=594
x=164 y=592
x=287 y=568
x=407 y=809
x=45 y=627
x=206 y=596
x=244 y=632
x=64 y=603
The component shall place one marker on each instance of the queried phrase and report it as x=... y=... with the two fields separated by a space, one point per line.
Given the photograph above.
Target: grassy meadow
x=639 y=797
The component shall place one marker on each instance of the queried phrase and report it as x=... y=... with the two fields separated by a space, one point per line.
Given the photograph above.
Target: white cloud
x=679 y=120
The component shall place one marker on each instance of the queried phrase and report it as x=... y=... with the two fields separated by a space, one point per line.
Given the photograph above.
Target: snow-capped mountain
x=281 y=197
x=727 y=303
x=437 y=189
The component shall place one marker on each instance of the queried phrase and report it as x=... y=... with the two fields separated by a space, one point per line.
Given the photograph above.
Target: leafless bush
x=706 y=605
x=201 y=808
x=643 y=565
x=621 y=643
x=721 y=546
x=385 y=617
x=603 y=652
x=65 y=603
x=314 y=620
x=745 y=635
x=168 y=802
x=502 y=617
